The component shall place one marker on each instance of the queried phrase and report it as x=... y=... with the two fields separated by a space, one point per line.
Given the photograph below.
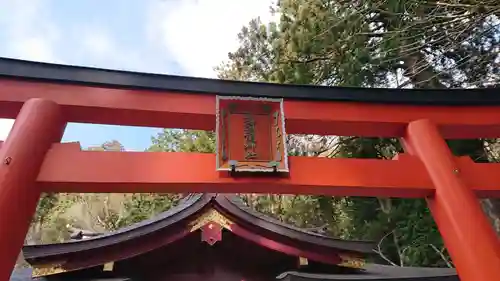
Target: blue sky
x=183 y=37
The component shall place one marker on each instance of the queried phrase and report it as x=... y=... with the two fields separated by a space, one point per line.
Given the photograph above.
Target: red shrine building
x=214 y=237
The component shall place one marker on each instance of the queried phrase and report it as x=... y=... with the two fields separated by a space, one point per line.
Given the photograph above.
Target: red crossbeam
x=162 y=109
x=68 y=169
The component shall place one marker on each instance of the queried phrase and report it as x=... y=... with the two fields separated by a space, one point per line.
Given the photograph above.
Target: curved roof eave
x=78 y=75
x=24 y=274
x=186 y=208
x=379 y=272
x=237 y=208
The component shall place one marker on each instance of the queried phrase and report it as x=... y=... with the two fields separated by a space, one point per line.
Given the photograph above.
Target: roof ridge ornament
x=212 y=215
x=211 y=224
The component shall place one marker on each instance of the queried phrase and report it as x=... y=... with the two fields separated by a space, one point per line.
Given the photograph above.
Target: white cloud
x=29 y=32
x=97 y=42
x=98 y=47
x=200 y=33
x=29 y=35
x=5 y=127
x=32 y=48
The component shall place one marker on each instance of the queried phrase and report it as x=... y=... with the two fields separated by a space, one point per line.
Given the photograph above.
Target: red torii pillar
x=39 y=124
x=466 y=231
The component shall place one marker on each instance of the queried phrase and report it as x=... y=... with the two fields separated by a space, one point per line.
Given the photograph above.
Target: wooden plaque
x=251 y=135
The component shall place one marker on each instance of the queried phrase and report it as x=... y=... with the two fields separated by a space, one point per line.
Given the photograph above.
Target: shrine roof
x=372 y=272
x=231 y=205
x=56 y=73
x=24 y=274
x=377 y=272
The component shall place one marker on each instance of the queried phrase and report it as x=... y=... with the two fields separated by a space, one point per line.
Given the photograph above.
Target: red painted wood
x=213 y=263
x=211 y=233
x=470 y=241
x=120 y=252
x=467 y=233
x=68 y=169
x=218 y=274
x=171 y=253
x=181 y=110
x=333 y=258
x=189 y=258
x=234 y=137
x=39 y=124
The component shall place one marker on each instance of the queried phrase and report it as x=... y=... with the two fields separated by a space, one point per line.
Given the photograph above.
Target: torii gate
x=44 y=97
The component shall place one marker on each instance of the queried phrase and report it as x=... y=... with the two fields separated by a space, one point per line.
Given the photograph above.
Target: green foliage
x=112 y=145
x=47 y=202
x=371 y=44
x=142 y=206
x=174 y=140
x=55 y=212
x=405 y=229
x=101 y=212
